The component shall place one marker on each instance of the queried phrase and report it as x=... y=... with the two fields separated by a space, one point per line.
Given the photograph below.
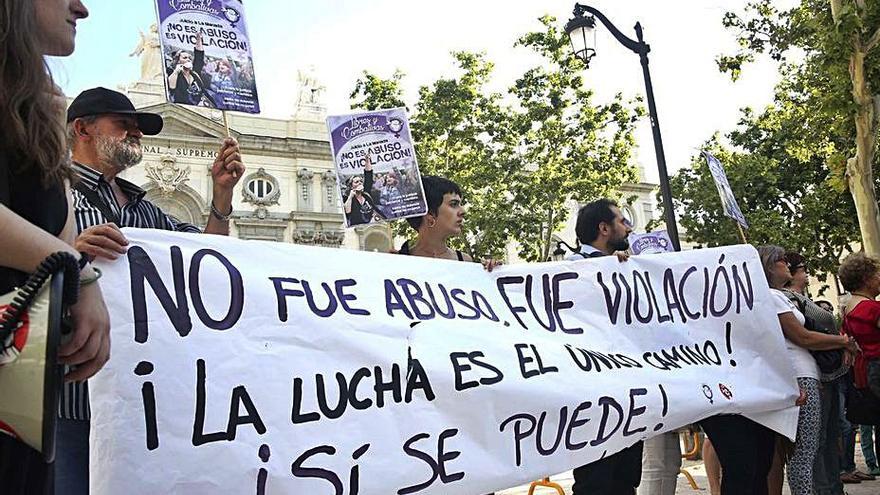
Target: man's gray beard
x=118 y=154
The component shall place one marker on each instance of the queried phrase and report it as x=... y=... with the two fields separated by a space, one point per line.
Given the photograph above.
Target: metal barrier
x=546 y=483
x=686 y=435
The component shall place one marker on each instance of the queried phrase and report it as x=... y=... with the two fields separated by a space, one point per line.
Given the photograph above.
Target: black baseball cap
x=98 y=101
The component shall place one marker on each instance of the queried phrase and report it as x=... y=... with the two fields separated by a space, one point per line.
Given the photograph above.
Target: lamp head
x=581 y=31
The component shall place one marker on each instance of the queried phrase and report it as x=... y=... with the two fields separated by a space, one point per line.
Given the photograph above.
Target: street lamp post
x=580 y=30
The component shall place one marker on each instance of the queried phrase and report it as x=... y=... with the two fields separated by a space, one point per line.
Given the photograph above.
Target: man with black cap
x=104 y=132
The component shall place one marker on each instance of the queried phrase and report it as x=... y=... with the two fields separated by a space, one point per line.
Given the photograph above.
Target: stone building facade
x=288 y=193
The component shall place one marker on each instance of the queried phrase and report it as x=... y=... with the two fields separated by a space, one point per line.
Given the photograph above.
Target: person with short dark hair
x=602 y=227
x=602 y=231
x=444 y=220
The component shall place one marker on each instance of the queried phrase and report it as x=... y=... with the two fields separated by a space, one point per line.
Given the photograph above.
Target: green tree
x=521 y=161
x=372 y=92
x=462 y=133
x=828 y=55
x=787 y=198
x=571 y=147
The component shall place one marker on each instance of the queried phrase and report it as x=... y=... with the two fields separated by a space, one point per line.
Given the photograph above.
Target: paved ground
x=698 y=472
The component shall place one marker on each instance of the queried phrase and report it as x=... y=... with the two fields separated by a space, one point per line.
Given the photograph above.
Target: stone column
x=304 y=190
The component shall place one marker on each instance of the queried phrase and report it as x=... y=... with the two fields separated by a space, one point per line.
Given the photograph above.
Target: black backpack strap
x=800 y=303
x=594 y=254
x=460 y=256
x=97 y=202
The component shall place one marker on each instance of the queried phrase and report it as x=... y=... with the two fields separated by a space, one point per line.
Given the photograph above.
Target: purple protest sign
x=389 y=185
x=207 y=54
x=651 y=243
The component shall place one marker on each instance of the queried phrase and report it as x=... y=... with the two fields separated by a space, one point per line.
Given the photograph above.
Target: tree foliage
x=522 y=154
x=828 y=58
x=792 y=165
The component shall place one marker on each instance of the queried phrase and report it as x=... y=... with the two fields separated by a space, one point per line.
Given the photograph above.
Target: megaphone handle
x=28 y=292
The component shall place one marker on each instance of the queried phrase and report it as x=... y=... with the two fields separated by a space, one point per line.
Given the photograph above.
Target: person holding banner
x=34 y=201
x=603 y=231
x=444 y=220
x=105 y=130
x=799 y=341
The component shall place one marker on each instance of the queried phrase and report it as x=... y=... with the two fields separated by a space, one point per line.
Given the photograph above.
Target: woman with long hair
x=35 y=212
x=799 y=342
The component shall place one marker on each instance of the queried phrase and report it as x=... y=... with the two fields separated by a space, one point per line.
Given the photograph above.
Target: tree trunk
x=859 y=169
x=548 y=237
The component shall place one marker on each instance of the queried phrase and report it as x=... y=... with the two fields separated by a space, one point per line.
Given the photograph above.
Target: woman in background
x=860 y=276
x=799 y=341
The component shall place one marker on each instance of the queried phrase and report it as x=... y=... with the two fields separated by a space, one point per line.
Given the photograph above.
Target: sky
x=342 y=38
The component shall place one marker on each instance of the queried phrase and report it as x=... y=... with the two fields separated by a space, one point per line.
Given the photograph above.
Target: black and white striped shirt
x=138 y=212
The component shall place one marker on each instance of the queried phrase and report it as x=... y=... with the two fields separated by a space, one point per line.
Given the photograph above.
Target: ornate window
x=261 y=188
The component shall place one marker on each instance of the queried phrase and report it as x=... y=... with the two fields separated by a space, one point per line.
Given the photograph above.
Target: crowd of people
x=831 y=355
x=60 y=191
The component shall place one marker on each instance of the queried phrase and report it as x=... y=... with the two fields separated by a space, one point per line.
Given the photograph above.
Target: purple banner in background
x=207 y=54
x=650 y=243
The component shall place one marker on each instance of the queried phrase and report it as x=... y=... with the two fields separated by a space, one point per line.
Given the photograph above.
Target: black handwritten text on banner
x=254 y=367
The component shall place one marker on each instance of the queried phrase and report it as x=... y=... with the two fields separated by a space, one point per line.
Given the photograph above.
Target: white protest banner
x=258 y=367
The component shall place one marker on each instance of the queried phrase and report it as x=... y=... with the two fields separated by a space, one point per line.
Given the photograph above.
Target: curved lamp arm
x=636 y=46
x=559 y=251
